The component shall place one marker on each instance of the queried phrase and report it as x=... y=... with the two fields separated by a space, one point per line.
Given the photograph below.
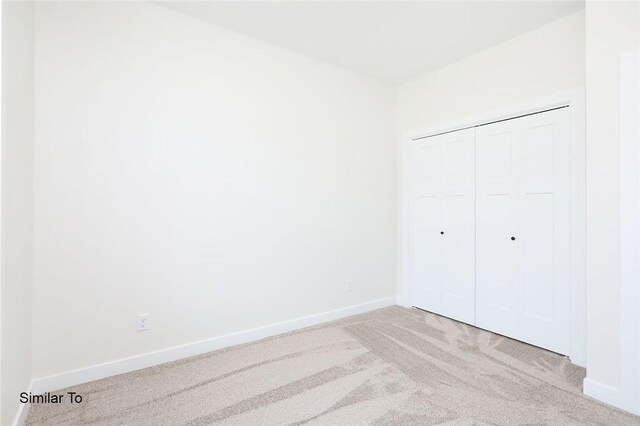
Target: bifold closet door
x=496 y=193
x=443 y=224
x=523 y=229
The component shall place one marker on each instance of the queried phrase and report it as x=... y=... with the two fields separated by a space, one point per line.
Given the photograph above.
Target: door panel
x=537 y=261
x=457 y=272
x=426 y=250
x=443 y=237
x=496 y=290
x=455 y=163
x=522 y=192
x=494 y=257
x=426 y=170
x=544 y=230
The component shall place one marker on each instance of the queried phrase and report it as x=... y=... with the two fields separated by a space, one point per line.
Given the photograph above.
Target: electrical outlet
x=143 y=322
x=349 y=285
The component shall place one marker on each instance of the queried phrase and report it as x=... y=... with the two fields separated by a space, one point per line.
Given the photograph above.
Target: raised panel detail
x=539 y=253
x=537 y=174
x=426 y=171
x=494 y=274
x=454 y=218
x=494 y=162
x=426 y=244
x=455 y=179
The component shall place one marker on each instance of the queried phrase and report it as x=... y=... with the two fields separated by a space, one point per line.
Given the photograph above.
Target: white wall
x=611 y=28
x=211 y=180
x=182 y=168
x=17 y=200
x=545 y=61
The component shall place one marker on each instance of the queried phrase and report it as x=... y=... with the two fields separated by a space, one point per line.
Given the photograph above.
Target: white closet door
x=443 y=225
x=543 y=237
x=496 y=194
x=523 y=229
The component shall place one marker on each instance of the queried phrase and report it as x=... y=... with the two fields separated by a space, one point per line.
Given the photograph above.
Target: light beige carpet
x=392 y=366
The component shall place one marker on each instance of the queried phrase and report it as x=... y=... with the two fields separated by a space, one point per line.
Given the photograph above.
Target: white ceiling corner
x=393 y=41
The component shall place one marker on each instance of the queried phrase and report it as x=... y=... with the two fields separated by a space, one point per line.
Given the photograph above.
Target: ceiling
x=393 y=41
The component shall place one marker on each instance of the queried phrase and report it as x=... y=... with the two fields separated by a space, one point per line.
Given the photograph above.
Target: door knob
x=513 y=238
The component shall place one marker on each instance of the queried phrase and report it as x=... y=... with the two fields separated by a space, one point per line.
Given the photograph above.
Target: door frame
x=628 y=396
x=575 y=100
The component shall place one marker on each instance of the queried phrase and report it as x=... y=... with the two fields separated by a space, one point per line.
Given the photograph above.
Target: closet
x=490 y=225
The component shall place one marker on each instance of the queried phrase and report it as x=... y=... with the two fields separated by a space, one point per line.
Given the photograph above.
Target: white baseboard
x=23 y=411
x=620 y=398
x=125 y=365
x=601 y=392
x=402 y=301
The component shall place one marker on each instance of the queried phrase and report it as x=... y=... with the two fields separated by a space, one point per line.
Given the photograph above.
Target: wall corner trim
x=125 y=365
x=23 y=411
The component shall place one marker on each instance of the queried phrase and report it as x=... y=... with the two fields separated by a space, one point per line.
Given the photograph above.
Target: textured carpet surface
x=392 y=366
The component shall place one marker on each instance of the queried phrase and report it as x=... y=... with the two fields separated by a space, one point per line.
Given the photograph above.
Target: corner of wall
x=16 y=206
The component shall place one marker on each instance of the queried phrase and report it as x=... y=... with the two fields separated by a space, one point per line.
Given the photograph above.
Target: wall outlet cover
x=143 y=322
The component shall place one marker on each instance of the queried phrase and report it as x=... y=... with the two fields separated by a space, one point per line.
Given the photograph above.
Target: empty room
x=320 y=212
